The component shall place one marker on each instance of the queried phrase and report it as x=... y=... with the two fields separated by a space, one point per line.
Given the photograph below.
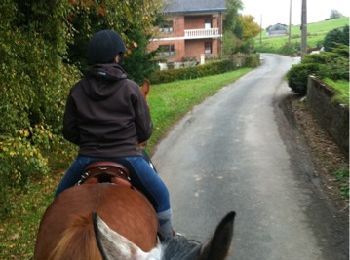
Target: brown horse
x=112 y=220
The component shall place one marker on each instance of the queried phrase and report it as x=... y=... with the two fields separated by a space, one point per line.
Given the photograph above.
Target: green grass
x=341 y=89
x=316 y=34
x=168 y=103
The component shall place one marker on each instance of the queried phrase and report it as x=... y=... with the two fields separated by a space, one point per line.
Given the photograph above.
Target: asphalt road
x=230 y=153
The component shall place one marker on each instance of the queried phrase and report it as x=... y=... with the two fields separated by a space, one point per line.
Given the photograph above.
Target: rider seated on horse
x=107 y=117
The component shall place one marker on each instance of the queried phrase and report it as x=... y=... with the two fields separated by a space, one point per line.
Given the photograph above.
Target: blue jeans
x=143 y=177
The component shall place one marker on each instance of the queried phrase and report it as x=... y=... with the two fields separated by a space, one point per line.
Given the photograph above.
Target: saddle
x=110 y=172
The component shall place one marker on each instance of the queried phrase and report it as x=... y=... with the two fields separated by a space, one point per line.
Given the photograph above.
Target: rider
x=106 y=116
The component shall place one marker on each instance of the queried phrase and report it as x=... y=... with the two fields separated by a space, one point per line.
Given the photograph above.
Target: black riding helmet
x=104 y=46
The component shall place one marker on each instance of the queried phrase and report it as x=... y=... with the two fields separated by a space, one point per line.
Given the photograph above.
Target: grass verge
x=168 y=103
x=341 y=89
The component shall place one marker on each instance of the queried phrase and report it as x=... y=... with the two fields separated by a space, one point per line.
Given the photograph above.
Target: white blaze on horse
x=107 y=218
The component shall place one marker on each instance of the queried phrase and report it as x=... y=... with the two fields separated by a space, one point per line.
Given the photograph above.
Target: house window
x=166 y=50
x=207 y=24
x=208 y=48
x=167 y=26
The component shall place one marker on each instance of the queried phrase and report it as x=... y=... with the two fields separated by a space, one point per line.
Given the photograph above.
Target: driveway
x=228 y=153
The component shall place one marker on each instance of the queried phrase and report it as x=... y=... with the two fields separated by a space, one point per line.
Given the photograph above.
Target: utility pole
x=303 y=27
x=290 y=23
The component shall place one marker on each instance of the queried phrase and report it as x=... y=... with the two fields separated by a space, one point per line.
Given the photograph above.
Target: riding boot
x=165 y=229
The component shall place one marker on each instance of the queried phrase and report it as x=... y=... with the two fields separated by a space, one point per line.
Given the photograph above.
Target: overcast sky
x=277 y=11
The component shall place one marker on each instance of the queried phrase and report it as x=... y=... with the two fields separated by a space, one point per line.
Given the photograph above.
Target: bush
x=252 y=61
x=289 y=49
x=212 y=68
x=298 y=74
x=26 y=156
x=335 y=37
x=333 y=65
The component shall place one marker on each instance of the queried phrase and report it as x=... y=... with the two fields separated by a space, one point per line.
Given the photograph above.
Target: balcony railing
x=202 y=33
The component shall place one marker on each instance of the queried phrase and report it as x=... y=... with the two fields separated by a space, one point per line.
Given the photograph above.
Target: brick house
x=191 y=29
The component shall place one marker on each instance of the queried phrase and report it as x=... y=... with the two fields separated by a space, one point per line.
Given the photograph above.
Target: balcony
x=202 y=33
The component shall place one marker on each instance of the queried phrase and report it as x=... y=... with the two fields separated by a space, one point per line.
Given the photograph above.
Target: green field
x=316 y=33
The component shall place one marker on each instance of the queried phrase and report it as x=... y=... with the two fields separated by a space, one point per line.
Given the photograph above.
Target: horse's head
x=114 y=246
x=145 y=88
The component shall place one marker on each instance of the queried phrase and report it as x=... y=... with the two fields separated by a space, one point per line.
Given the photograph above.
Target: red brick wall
x=195 y=22
x=179 y=26
x=194 y=48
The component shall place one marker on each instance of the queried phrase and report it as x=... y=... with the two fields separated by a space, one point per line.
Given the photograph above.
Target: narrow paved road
x=228 y=154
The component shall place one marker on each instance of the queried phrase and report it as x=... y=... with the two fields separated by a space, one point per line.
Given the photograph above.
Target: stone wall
x=332 y=116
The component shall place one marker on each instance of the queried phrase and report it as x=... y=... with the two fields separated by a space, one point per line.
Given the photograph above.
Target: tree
x=249 y=27
x=231 y=43
x=134 y=20
x=232 y=28
x=335 y=14
x=231 y=16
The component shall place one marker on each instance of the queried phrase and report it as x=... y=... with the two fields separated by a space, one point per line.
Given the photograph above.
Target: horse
x=114 y=221
x=107 y=218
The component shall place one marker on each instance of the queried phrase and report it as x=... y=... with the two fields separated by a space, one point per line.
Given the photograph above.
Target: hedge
x=333 y=65
x=217 y=67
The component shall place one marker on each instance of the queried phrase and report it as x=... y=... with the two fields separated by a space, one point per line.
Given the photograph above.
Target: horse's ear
x=145 y=88
x=219 y=245
x=111 y=244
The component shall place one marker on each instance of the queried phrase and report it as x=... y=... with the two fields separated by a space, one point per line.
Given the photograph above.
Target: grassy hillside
x=316 y=33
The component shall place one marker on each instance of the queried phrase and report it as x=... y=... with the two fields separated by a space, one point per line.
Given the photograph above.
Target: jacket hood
x=101 y=79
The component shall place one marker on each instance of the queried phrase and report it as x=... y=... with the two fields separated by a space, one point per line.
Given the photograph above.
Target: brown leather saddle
x=110 y=172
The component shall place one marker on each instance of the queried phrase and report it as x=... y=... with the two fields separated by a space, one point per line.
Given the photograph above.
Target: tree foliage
x=335 y=14
x=239 y=30
x=133 y=20
x=42 y=49
x=231 y=15
x=241 y=38
x=250 y=28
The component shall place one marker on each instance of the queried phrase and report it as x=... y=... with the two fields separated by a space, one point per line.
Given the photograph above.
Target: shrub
x=333 y=65
x=335 y=37
x=20 y=161
x=252 y=60
x=211 y=68
x=289 y=49
x=298 y=74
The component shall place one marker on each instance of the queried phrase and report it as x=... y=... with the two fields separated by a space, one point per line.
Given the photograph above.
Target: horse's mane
x=78 y=241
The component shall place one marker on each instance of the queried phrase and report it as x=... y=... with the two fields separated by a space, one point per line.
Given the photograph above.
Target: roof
x=195 y=6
